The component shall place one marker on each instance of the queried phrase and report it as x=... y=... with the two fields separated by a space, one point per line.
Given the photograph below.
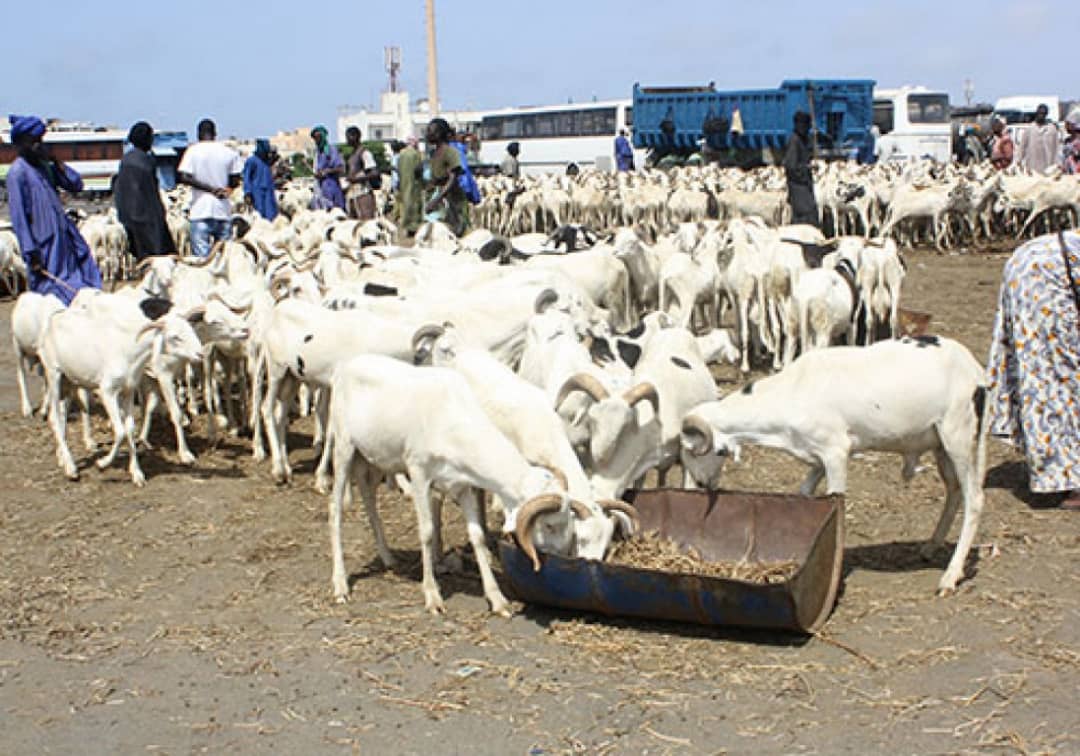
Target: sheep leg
x=812 y=480
x=172 y=404
x=258 y=449
x=475 y=526
x=367 y=480
x=210 y=395
x=22 y=364
x=150 y=405
x=83 y=397
x=343 y=461
x=128 y=425
x=58 y=422
x=427 y=528
x=322 y=472
x=961 y=455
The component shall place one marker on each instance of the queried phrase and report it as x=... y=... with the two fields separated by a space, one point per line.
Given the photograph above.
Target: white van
x=1021 y=109
x=913 y=123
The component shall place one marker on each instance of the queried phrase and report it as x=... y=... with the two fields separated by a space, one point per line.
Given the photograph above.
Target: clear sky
x=260 y=67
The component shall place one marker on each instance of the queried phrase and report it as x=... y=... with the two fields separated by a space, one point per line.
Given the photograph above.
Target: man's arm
x=20 y=223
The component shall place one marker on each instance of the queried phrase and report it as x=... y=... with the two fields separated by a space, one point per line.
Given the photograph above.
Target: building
x=395 y=119
x=290 y=142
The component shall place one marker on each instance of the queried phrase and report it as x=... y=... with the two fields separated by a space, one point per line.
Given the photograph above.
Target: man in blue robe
x=329 y=168
x=58 y=259
x=624 y=153
x=259 y=181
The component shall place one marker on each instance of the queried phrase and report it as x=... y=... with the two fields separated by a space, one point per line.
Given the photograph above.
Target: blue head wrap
x=31 y=125
x=262 y=148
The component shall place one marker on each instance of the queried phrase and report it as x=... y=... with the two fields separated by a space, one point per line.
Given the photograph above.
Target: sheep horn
x=236 y=309
x=202 y=262
x=559 y=475
x=694 y=424
x=643 y=391
x=613 y=505
x=544 y=300
x=430 y=331
x=155 y=325
x=533 y=508
x=582 y=382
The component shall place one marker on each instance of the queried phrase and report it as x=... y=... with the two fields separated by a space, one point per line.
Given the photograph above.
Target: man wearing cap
x=212 y=170
x=800 y=181
x=58 y=259
x=137 y=200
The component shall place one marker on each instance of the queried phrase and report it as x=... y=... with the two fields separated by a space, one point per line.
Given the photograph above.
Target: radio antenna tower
x=969 y=91
x=432 y=63
x=393 y=66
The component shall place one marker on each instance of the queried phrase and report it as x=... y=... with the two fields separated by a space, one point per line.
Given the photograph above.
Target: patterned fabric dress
x=1034 y=365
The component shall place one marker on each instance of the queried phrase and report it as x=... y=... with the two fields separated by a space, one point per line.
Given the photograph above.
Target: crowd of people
x=1036 y=147
x=1034 y=363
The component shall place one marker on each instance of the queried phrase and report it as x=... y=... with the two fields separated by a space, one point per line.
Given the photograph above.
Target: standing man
x=329 y=168
x=58 y=259
x=212 y=170
x=624 y=153
x=259 y=181
x=137 y=199
x=363 y=176
x=1037 y=145
x=409 y=199
x=1001 y=147
x=510 y=166
x=800 y=181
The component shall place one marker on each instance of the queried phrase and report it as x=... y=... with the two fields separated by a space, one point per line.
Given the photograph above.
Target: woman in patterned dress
x=1034 y=367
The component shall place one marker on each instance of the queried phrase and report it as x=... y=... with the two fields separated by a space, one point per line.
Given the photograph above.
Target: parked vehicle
x=913 y=123
x=753 y=125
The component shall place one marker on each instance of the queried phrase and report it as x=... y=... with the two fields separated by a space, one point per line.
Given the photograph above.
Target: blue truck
x=753 y=125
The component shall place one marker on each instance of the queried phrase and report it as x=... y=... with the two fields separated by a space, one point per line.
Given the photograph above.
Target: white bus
x=94 y=153
x=913 y=123
x=553 y=137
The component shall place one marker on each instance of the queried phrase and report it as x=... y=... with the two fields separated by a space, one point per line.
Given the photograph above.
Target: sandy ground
x=195 y=615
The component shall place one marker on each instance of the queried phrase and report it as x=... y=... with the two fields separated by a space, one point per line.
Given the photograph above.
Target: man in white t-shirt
x=212 y=170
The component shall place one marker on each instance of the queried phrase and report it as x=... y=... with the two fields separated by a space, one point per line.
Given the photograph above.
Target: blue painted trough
x=720 y=526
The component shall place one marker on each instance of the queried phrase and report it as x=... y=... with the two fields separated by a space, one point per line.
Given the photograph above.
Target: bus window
x=565 y=123
x=928 y=108
x=883 y=116
x=606 y=121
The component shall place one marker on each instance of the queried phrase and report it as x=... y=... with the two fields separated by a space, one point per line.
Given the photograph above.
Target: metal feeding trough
x=720 y=526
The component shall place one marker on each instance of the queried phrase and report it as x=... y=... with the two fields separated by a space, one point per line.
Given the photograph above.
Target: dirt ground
x=195 y=615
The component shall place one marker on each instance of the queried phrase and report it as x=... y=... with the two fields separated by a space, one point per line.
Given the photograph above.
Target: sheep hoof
x=946 y=590
x=138 y=479
x=187 y=458
x=502 y=608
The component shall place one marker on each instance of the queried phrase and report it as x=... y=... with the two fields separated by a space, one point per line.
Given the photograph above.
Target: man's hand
x=222 y=193
x=35 y=262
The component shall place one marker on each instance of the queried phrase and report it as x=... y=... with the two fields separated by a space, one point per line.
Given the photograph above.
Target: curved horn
x=155 y=325
x=693 y=423
x=641 y=391
x=544 y=300
x=202 y=262
x=533 y=508
x=250 y=247
x=613 y=505
x=430 y=331
x=196 y=311
x=559 y=475
x=236 y=309
x=582 y=382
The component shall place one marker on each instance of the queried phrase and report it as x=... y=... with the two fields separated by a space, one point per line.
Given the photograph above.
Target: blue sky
x=258 y=68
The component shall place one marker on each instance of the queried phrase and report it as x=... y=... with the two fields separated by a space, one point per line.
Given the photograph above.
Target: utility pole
x=432 y=61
